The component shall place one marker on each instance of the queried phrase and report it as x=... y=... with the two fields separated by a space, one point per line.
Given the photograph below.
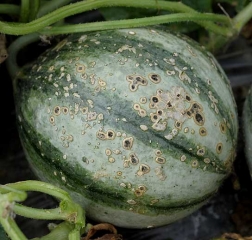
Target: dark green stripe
x=78 y=177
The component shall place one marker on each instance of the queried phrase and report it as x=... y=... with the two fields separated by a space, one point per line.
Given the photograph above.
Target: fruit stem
x=243 y=17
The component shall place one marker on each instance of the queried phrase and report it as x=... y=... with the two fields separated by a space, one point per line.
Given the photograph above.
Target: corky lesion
x=3 y=50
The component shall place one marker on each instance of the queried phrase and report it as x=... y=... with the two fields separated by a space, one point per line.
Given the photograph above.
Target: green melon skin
x=247 y=129
x=138 y=125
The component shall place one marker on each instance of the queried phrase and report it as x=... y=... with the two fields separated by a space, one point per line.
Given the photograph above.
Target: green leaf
x=200 y=5
x=3 y=236
x=117 y=13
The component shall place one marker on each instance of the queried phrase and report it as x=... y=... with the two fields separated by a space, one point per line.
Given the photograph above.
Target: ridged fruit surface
x=139 y=125
x=247 y=129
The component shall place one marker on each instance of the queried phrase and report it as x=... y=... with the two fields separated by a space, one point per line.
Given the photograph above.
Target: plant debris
x=233 y=236
x=101 y=227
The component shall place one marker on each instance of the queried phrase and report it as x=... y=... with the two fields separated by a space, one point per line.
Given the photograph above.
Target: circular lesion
x=65 y=110
x=202 y=131
x=195 y=163
x=219 y=148
x=56 y=110
x=110 y=134
x=160 y=160
x=52 y=120
x=80 y=68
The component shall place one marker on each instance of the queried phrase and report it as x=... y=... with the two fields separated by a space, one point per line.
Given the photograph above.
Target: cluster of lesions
x=214 y=102
x=66 y=139
x=136 y=80
x=132 y=159
x=203 y=159
x=139 y=195
x=173 y=104
x=98 y=83
x=173 y=68
x=161 y=160
x=127 y=143
x=73 y=110
x=195 y=111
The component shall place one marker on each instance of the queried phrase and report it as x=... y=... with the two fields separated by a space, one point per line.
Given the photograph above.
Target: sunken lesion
x=128 y=143
x=155 y=78
x=135 y=81
x=143 y=169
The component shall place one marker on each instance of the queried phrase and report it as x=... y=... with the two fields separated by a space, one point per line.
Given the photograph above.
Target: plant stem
x=239 y=21
x=139 y=22
x=34 y=7
x=38 y=186
x=14 y=48
x=11 y=228
x=74 y=235
x=75 y=8
x=6 y=212
x=60 y=232
x=243 y=17
x=9 y=9
x=42 y=214
x=12 y=195
x=51 y=6
x=24 y=12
